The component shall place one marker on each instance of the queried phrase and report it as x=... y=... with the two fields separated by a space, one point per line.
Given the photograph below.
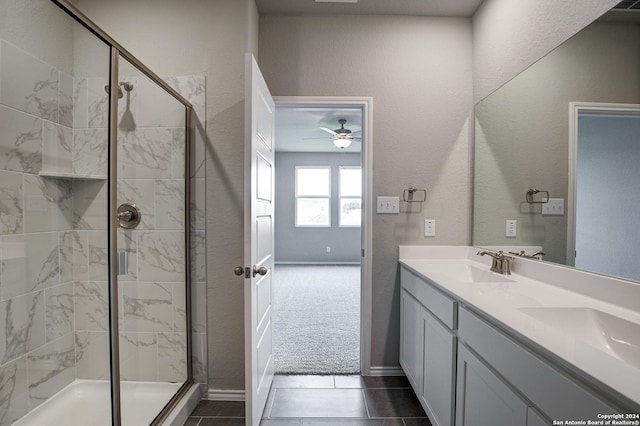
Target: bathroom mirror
x=522 y=142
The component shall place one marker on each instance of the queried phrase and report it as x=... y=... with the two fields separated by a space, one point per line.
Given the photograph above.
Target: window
x=313 y=196
x=350 y=196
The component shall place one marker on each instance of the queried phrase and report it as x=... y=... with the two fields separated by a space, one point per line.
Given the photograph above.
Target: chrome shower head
x=126 y=85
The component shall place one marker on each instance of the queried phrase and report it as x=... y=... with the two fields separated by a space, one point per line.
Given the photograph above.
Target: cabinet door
x=410 y=339
x=438 y=368
x=483 y=399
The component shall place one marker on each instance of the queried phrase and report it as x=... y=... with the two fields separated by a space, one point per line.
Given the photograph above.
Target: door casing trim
x=366 y=105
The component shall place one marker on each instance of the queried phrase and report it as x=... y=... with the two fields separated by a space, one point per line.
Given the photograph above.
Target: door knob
x=238 y=270
x=261 y=271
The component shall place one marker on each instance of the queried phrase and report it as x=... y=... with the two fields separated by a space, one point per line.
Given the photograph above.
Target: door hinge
x=362 y=252
x=247 y=272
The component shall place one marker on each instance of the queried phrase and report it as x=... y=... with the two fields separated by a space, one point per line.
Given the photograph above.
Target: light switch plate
x=388 y=205
x=555 y=207
x=512 y=228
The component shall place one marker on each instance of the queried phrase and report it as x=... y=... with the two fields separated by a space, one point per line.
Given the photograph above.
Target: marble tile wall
x=53 y=271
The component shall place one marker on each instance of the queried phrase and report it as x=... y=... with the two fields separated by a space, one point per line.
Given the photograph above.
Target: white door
x=258 y=253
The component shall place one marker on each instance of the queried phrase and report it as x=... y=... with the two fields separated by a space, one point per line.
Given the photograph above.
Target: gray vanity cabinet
x=483 y=399
x=428 y=346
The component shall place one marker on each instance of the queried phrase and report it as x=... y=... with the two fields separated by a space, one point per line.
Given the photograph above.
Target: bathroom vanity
x=543 y=344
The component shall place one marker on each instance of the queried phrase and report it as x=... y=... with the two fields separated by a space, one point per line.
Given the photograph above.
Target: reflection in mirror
x=522 y=135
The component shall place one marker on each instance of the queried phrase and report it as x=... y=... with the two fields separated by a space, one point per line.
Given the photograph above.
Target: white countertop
x=500 y=303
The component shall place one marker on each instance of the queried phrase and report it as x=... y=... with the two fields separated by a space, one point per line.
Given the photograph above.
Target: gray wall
x=418 y=71
x=309 y=244
x=608 y=195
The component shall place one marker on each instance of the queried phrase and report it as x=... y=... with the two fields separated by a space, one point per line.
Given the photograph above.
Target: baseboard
x=386 y=371
x=225 y=395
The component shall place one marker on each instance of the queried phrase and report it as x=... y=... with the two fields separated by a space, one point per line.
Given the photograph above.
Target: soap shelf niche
x=409 y=195
x=71 y=176
x=530 y=197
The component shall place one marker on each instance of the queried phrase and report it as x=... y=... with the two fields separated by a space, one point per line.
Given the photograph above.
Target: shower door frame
x=117 y=51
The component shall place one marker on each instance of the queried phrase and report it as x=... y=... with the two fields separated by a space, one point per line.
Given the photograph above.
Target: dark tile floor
x=324 y=401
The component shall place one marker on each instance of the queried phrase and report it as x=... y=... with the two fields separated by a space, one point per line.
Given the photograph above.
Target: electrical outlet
x=429 y=227
x=328 y=249
x=512 y=226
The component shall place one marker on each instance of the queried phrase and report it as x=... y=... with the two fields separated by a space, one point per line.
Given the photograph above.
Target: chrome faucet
x=500 y=262
x=535 y=255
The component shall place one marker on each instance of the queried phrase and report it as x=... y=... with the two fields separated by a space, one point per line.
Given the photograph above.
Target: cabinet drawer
x=554 y=393
x=440 y=305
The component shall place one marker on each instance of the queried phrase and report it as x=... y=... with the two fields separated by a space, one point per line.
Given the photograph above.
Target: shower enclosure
x=94 y=220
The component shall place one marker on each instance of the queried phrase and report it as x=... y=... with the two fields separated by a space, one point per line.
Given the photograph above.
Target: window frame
x=348 y=197
x=317 y=197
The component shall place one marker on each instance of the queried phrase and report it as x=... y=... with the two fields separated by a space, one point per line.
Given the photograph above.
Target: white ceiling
x=298 y=129
x=463 y=8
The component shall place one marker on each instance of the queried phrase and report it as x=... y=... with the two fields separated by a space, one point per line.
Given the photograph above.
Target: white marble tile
x=198 y=256
x=198 y=204
x=198 y=151
x=97 y=103
x=98 y=256
x=58 y=311
x=30 y=262
x=74 y=256
x=142 y=193
x=161 y=256
x=48 y=204
x=157 y=108
x=21 y=142
x=199 y=307
x=90 y=152
x=51 y=368
x=57 y=143
x=199 y=357
x=28 y=84
x=178 y=146
x=14 y=398
x=147 y=306
x=192 y=88
x=170 y=204
x=21 y=325
x=92 y=355
x=128 y=242
x=65 y=99
x=91 y=306
x=90 y=205
x=172 y=357
x=80 y=103
x=139 y=356
x=179 y=306
x=145 y=154
x=11 y=203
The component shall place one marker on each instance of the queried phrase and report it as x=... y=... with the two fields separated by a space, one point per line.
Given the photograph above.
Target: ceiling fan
x=341 y=137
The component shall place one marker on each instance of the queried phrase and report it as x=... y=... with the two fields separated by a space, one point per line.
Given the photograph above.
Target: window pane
x=313 y=181
x=350 y=182
x=312 y=212
x=350 y=211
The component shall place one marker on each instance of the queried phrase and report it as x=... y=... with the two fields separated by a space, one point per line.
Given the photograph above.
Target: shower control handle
x=128 y=215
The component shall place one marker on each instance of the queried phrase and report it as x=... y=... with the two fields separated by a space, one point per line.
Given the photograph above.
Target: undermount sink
x=462 y=272
x=614 y=335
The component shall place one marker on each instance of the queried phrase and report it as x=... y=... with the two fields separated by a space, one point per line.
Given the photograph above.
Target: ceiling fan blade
x=326 y=138
x=328 y=131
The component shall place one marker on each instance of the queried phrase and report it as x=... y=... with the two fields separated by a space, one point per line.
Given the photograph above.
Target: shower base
x=86 y=402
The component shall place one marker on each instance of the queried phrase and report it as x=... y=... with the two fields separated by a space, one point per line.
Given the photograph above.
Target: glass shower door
x=152 y=245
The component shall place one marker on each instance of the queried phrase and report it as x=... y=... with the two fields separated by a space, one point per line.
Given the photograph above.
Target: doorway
x=321 y=295
x=604 y=194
